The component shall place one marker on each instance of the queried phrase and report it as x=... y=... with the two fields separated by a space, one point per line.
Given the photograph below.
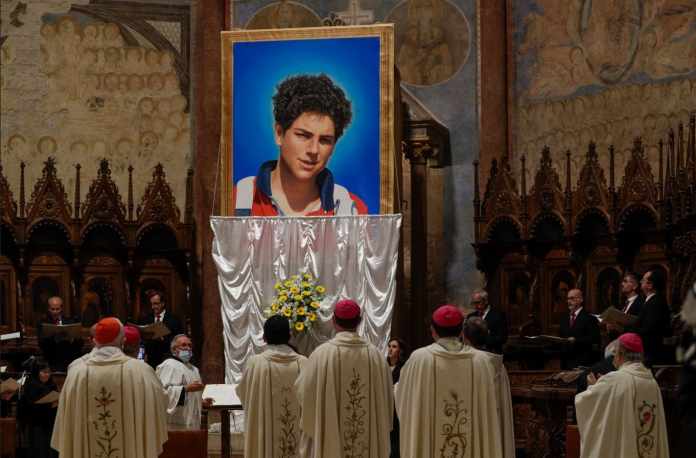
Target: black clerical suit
x=58 y=351
x=653 y=326
x=585 y=330
x=157 y=350
x=497 y=328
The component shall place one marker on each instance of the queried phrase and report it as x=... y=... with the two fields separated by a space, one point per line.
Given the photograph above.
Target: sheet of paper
x=222 y=395
x=3 y=369
x=50 y=398
x=9 y=336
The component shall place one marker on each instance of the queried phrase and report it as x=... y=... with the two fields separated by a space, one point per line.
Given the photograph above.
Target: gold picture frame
x=387 y=147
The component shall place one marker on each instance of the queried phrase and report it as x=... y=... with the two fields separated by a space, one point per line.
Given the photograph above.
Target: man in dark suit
x=581 y=331
x=58 y=350
x=157 y=350
x=495 y=320
x=632 y=305
x=654 y=319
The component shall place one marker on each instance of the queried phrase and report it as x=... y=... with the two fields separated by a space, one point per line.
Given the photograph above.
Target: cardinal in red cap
x=107 y=332
x=131 y=341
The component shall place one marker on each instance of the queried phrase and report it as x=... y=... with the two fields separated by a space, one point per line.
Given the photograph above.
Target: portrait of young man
x=311 y=113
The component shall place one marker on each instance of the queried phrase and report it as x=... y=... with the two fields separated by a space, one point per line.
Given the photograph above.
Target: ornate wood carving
x=546 y=192
x=501 y=196
x=638 y=181
x=158 y=205
x=8 y=207
x=592 y=185
x=49 y=199
x=103 y=202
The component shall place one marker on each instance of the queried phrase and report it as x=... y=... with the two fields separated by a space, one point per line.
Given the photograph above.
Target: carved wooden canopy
x=49 y=205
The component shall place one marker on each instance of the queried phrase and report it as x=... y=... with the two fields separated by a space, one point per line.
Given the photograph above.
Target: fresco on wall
x=83 y=88
x=435 y=51
x=604 y=71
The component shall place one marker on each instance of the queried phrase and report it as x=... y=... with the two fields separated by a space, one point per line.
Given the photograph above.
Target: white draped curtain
x=352 y=256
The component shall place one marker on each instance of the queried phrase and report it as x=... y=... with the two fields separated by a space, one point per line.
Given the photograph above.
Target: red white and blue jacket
x=253 y=196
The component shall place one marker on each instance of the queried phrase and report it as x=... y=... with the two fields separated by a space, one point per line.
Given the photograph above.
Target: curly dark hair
x=313 y=94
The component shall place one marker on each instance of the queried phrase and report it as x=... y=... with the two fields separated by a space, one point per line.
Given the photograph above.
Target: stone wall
x=81 y=87
x=600 y=71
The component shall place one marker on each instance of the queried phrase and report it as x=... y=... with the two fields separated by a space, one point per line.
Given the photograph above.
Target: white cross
x=355 y=16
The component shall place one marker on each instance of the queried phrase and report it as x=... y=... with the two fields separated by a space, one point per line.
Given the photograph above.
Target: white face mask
x=688 y=311
x=184 y=355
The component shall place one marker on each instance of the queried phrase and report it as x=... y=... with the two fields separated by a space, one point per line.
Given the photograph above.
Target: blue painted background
x=258 y=67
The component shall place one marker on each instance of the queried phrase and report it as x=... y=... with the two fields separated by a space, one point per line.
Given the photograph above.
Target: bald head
x=55 y=307
x=574 y=299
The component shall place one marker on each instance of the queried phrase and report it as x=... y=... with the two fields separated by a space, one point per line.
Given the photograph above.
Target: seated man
x=267 y=385
x=311 y=113
x=621 y=415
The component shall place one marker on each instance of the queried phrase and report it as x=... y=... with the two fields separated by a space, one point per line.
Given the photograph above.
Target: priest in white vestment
x=267 y=392
x=621 y=415
x=345 y=393
x=446 y=397
x=183 y=385
x=476 y=335
x=110 y=405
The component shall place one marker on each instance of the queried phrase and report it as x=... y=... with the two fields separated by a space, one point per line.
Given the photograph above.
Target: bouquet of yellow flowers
x=298 y=299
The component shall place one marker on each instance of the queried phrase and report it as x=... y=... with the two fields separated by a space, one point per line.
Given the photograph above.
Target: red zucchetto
x=447 y=316
x=107 y=330
x=632 y=342
x=347 y=309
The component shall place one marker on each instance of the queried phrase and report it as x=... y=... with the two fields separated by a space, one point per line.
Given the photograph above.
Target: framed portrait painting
x=308 y=121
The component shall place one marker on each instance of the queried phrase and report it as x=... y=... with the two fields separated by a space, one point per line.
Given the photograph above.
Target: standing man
x=267 y=392
x=158 y=349
x=59 y=350
x=621 y=414
x=495 y=319
x=345 y=393
x=446 y=398
x=654 y=319
x=632 y=305
x=581 y=331
x=182 y=382
x=110 y=403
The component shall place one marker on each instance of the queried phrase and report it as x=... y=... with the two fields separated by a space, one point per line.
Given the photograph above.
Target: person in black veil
x=38 y=419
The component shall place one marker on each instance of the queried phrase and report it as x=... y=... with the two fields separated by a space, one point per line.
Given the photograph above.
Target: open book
x=152 y=331
x=65 y=331
x=222 y=395
x=616 y=316
x=9 y=386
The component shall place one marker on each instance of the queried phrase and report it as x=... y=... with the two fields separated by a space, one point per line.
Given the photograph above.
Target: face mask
x=185 y=355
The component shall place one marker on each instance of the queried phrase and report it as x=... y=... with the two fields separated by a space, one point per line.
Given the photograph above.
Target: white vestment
x=503 y=399
x=110 y=405
x=446 y=403
x=345 y=394
x=175 y=375
x=271 y=409
x=622 y=416
x=83 y=359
